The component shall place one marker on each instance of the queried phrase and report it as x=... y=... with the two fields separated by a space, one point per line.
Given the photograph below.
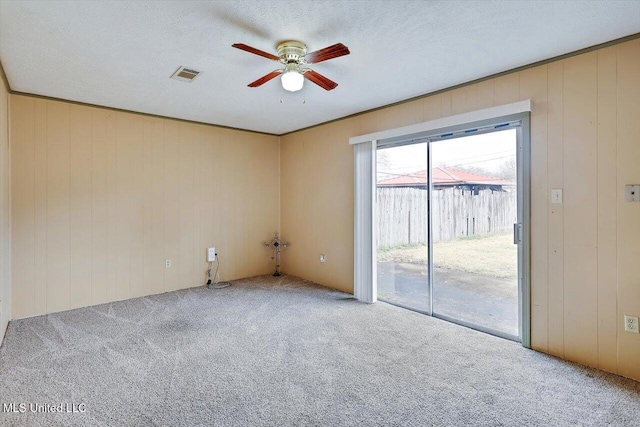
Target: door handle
x=517 y=233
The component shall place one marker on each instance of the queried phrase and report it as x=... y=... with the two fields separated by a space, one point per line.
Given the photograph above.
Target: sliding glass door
x=449 y=226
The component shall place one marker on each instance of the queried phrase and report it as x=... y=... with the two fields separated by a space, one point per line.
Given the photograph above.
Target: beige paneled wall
x=5 y=212
x=101 y=198
x=585 y=138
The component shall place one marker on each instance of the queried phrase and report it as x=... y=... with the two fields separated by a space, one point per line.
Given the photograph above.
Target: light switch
x=632 y=193
x=556 y=195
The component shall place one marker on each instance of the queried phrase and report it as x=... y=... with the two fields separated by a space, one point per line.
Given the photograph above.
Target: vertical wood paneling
x=154 y=207
x=628 y=214
x=148 y=206
x=322 y=184
x=220 y=234
x=186 y=176
x=432 y=108
x=251 y=181
x=208 y=189
x=80 y=205
x=104 y=197
x=411 y=112
x=124 y=214
x=607 y=207
x=199 y=253
x=533 y=85
x=555 y=218
x=445 y=99
x=343 y=190
x=472 y=97
x=486 y=94
x=156 y=228
x=5 y=212
x=381 y=119
x=581 y=206
x=58 y=250
x=171 y=208
x=112 y=206
x=292 y=201
x=22 y=195
x=138 y=192
x=313 y=187
x=459 y=100
x=507 y=89
x=238 y=201
x=99 y=196
x=392 y=116
x=40 y=204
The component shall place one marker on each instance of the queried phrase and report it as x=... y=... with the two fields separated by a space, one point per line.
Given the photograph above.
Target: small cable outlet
x=631 y=324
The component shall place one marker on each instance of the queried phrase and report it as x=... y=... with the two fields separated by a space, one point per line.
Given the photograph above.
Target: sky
x=487 y=151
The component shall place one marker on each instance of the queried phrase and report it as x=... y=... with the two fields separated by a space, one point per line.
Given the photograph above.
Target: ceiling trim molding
x=121 y=110
x=5 y=80
x=472 y=82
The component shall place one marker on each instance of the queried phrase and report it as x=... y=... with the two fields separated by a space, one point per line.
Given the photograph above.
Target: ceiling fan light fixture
x=292 y=80
x=293 y=55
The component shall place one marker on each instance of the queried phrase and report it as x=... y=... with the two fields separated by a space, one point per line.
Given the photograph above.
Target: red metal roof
x=443 y=177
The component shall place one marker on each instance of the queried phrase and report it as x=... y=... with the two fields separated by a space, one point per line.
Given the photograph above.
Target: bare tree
x=383 y=164
x=507 y=170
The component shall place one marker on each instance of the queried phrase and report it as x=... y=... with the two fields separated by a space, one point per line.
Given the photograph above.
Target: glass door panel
x=474 y=207
x=402 y=226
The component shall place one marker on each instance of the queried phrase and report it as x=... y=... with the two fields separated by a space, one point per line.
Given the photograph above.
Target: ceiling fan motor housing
x=292 y=51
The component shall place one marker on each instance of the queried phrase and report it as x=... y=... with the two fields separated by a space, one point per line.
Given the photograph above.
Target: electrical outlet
x=211 y=254
x=631 y=324
x=167 y=263
x=322 y=258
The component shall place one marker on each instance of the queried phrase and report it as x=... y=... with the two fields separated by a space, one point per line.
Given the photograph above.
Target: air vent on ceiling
x=185 y=74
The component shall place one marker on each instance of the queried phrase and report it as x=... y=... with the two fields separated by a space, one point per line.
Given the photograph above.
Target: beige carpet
x=282 y=351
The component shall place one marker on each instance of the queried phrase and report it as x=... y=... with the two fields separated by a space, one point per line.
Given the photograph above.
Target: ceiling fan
x=293 y=54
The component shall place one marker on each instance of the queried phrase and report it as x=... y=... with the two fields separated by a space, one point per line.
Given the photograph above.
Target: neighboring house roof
x=442 y=177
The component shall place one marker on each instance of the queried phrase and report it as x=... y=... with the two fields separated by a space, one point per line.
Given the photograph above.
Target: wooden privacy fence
x=402 y=214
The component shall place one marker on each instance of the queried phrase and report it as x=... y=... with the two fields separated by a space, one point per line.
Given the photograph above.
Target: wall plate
x=632 y=193
x=631 y=324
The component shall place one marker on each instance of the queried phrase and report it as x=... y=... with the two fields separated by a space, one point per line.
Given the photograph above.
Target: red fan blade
x=255 y=51
x=330 y=52
x=262 y=80
x=320 y=80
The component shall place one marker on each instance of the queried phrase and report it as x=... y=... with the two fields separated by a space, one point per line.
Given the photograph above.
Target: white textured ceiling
x=121 y=54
